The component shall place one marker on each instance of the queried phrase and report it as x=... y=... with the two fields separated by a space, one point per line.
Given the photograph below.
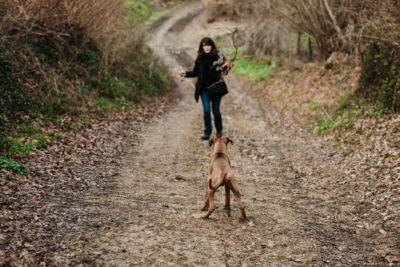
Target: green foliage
x=24 y=129
x=160 y=81
x=315 y=106
x=12 y=148
x=15 y=148
x=6 y=67
x=16 y=167
x=40 y=141
x=81 y=88
x=68 y=79
x=103 y=104
x=380 y=77
x=141 y=76
x=109 y=84
x=50 y=82
x=155 y=15
x=326 y=125
x=342 y=118
x=255 y=70
x=136 y=10
x=12 y=98
x=121 y=103
x=50 y=108
x=377 y=113
x=140 y=13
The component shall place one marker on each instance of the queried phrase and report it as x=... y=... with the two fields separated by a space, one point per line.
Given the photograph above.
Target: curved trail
x=295 y=219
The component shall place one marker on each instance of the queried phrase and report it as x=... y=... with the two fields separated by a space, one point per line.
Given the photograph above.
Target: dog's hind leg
x=206 y=200
x=235 y=190
x=211 y=207
x=227 y=197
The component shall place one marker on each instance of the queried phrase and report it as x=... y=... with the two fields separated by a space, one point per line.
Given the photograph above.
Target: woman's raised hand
x=227 y=64
x=182 y=74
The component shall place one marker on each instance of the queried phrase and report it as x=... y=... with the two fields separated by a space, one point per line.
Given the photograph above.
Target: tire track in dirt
x=295 y=219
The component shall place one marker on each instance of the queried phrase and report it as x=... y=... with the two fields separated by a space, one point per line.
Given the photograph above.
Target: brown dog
x=220 y=173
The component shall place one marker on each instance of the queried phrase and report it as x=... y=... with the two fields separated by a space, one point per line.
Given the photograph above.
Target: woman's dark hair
x=207 y=41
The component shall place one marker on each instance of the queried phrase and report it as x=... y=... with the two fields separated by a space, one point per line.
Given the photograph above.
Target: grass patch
x=339 y=122
x=155 y=15
x=13 y=166
x=40 y=141
x=136 y=11
x=15 y=148
x=254 y=69
x=341 y=118
x=315 y=106
x=27 y=129
x=139 y=12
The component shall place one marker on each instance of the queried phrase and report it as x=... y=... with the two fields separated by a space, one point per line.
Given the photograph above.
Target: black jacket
x=207 y=70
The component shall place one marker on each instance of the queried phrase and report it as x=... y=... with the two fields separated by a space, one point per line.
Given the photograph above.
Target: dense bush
x=57 y=56
x=70 y=58
x=380 y=77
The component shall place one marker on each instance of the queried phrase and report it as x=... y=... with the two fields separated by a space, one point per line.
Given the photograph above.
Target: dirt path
x=296 y=218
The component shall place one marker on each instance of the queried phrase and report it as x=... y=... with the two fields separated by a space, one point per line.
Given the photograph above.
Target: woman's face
x=207 y=48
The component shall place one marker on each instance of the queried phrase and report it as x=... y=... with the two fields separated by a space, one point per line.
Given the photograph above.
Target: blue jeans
x=215 y=103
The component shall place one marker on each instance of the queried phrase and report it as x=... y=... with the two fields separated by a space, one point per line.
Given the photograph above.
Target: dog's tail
x=221 y=176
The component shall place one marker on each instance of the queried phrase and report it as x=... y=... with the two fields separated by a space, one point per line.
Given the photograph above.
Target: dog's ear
x=229 y=141
x=211 y=141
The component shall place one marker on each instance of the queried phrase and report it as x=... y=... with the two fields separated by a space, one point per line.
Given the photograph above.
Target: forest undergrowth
x=75 y=78
x=61 y=69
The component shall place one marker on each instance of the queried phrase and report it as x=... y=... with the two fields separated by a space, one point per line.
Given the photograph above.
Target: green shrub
x=380 y=76
x=13 y=166
x=27 y=130
x=103 y=104
x=65 y=72
x=71 y=79
x=324 y=126
x=16 y=148
x=121 y=103
x=40 y=141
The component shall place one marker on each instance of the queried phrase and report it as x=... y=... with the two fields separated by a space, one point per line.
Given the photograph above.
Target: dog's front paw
x=244 y=219
x=204 y=217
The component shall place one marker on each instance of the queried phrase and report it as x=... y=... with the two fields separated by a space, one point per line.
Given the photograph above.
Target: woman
x=208 y=68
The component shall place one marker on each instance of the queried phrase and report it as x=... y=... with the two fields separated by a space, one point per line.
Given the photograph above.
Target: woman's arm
x=193 y=73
